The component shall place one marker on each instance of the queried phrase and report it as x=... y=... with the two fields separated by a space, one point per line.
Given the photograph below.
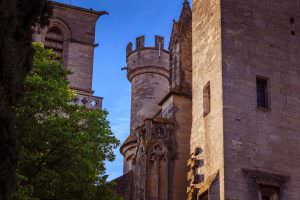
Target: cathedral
x=216 y=116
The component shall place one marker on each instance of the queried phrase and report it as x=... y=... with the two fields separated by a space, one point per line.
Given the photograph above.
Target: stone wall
x=236 y=147
x=163 y=114
x=186 y=58
x=177 y=105
x=148 y=71
x=261 y=38
x=80 y=62
x=123 y=186
x=178 y=108
x=78 y=28
x=250 y=146
x=207 y=131
x=80 y=48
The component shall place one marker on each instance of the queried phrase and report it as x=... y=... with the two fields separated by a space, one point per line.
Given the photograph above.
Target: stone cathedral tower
x=71 y=35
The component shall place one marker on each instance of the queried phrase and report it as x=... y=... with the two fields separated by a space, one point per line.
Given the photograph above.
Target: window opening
x=262 y=92
x=54 y=40
x=268 y=193
x=206 y=99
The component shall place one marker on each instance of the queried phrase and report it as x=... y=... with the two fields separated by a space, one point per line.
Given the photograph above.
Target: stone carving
x=157 y=153
x=159 y=132
x=91 y=102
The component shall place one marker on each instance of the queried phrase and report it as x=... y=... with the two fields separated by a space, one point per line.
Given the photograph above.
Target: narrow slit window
x=262 y=92
x=206 y=99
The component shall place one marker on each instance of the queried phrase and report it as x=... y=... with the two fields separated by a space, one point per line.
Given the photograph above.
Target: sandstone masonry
x=217 y=115
x=228 y=127
x=71 y=34
x=157 y=148
x=253 y=151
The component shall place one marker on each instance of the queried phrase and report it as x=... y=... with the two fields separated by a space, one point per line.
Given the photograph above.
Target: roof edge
x=175 y=93
x=90 y=11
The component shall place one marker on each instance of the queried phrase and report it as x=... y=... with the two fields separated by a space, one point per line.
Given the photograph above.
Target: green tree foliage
x=16 y=20
x=62 y=146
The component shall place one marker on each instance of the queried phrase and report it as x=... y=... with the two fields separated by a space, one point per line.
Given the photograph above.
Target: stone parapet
x=147 y=59
x=91 y=102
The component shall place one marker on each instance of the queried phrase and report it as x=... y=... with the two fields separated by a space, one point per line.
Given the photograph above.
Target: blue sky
x=127 y=20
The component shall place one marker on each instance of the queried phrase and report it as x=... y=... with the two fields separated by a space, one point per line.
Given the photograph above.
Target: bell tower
x=71 y=35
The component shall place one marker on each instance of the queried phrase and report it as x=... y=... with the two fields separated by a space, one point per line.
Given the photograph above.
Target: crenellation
x=128 y=49
x=140 y=46
x=140 y=43
x=159 y=42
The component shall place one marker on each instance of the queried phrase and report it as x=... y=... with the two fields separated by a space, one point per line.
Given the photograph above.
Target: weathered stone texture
x=257 y=40
x=82 y=22
x=148 y=73
x=158 y=146
x=123 y=186
x=207 y=132
x=128 y=152
x=181 y=53
x=233 y=43
x=236 y=149
x=181 y=113
x=80 y=62
x=73 y=40
x=147 y=91
x=80 y=47
x=77 y=26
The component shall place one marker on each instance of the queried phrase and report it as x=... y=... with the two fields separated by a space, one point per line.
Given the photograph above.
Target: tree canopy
x=62 y=146
x=16 y=20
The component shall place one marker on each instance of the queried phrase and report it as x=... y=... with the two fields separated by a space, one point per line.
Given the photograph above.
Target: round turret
x=148 y=72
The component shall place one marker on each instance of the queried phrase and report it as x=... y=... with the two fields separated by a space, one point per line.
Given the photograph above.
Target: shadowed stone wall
x=234 y=42
x=261 y=38
x=77 y=26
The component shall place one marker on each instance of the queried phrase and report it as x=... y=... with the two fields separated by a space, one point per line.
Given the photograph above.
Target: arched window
x=55 y=40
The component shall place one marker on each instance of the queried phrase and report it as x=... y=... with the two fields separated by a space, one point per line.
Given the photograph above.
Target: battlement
x=140 y=45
